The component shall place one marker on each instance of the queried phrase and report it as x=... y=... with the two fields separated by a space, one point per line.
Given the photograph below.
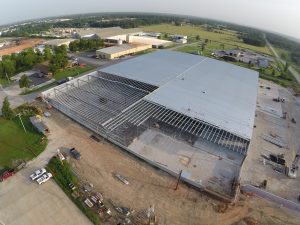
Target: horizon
x=259 y=14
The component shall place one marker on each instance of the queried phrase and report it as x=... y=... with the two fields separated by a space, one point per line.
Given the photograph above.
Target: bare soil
x=23 y=44
x=150 y=186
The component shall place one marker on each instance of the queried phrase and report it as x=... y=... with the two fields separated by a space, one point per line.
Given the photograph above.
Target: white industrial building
x=59 y=42
x=121 y=50
x=177 y=111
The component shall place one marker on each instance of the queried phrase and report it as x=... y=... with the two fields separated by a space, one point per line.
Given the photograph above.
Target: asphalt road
x=14 y=97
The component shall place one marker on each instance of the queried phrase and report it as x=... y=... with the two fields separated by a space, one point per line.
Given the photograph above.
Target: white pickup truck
x=44 y=178
x=37 y=173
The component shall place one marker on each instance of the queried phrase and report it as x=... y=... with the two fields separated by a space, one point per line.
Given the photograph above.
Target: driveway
x=12 y=92
x=24 y=202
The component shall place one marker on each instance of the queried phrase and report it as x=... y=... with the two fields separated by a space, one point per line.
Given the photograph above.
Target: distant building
x=103 y=33
x=154 y=42
x=179 y=38
x=121 y=50
x=59 y=42
x=244 y=56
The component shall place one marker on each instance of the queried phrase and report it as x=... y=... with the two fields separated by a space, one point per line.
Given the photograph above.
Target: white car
x=37 y=173
x=44 y=178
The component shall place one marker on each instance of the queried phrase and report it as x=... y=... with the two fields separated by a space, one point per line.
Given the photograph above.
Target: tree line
x=15 y=63
x=83 y=45
x=27 y=59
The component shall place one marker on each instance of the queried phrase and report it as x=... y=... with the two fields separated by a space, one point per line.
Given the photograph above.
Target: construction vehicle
x=76 y=154
x=121 y=178
x=7 y=174
x=60 y=155
x=278 y=99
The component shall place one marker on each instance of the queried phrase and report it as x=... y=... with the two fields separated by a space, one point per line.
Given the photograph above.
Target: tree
x=9 y=67
x=198 y=37
x=223 y=46
x=24 y=81
x=7 y=111
x=47 y=53
x=286 y=66
x=202 y=47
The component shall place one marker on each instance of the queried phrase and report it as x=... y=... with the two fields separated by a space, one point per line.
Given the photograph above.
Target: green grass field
x=219 y=36
x=72 y=72
x=44 y=88
x=15 y=143
x=4 y=82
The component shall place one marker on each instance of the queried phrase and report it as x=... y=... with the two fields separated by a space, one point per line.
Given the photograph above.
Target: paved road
x=12 y=92
x=291 y=69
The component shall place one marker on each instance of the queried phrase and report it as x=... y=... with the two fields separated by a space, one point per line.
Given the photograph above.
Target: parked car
x=36 y=174
x=61 y=81
x=44 y=178
x=76 y=154
x=7 y=174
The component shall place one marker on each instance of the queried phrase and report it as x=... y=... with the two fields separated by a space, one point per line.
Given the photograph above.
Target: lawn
x=40 y=89
x=72 y=72
x=15 y=144
x=63 y=176
x=4 y=82
x=226 y=37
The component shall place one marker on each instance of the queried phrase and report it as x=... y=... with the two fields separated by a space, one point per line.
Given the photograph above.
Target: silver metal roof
x=206 y=89
x=120 y=48
x=155 y=68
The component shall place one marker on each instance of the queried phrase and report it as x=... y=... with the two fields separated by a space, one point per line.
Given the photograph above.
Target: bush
x=7 y=111
x=63 y=175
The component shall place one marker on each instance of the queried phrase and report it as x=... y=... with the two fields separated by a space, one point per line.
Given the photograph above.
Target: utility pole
x=178 y=179
x=22 y=123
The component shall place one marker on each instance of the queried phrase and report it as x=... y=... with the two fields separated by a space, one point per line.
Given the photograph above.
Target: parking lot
x=24 y=202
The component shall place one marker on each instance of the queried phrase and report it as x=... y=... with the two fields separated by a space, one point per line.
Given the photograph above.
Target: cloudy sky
x=281 y=16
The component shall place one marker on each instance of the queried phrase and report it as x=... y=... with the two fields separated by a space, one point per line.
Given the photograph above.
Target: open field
x=26 y=43
x=15 y=144
x=149 y=186
x=72 y=72
x=220 y=36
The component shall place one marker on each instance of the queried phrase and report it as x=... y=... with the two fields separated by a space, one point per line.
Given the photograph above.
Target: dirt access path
x=149 y=186
x=25 y=43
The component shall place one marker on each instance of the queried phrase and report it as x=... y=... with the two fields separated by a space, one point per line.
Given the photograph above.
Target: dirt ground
x=13 y=47
x=254 y=171
x=149 y=186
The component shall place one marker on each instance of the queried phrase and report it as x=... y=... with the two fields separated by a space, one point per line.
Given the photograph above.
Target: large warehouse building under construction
x=179 y=112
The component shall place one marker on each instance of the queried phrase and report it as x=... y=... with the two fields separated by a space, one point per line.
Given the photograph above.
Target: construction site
x=17 y=45
x=163 y=108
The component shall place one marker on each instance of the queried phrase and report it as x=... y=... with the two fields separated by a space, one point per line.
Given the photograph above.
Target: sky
x=281 y=16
